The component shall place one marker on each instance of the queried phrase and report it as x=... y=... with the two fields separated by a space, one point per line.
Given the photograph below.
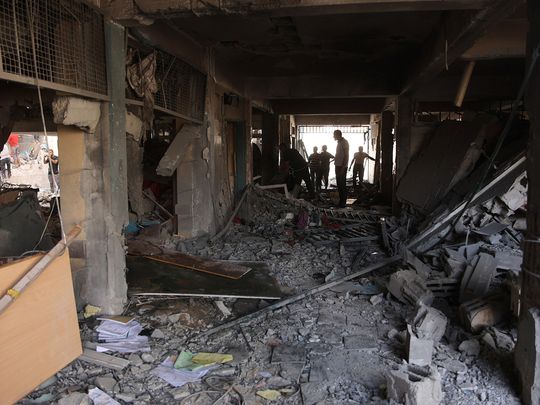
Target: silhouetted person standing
x=326 y=158
x=53 y=162
x=292 y=161
x=314 y=162
x=341 y=162
x=358 y=165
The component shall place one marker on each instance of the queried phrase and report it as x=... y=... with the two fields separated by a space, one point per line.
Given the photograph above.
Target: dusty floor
x=332 y=348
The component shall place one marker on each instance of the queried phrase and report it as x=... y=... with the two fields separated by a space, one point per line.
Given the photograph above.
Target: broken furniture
x=361 y=232
x=39 y=331
x=21 y=222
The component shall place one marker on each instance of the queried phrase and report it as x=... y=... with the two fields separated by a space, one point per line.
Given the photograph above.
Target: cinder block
x=429 y=323
x=413 y=385
x=419 y=351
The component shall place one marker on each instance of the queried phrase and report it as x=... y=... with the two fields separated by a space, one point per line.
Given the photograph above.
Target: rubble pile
x=391 y=336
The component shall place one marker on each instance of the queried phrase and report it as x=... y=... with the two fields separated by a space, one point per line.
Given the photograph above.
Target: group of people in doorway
x=316 y=170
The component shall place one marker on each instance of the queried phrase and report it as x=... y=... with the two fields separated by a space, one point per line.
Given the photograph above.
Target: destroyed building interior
x=283 y=202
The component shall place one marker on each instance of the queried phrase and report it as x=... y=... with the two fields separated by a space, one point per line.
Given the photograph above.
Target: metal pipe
x=464 y=84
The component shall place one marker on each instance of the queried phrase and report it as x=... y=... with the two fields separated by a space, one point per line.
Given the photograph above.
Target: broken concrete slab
x=76 y=111
x=477 y=278
x=418 y=265
x=516 y=197
x=414 y=385
x=454 y=263
x=134 y=126
x=509 y=260
x=429 y=323
x=408 y=287
x=179 y=150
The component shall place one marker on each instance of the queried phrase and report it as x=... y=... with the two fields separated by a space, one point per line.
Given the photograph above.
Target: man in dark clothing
x=53 y=162
x=341 y=162
x=314 y=162
x=358 y=165
x=326 y=158
x=297 y=166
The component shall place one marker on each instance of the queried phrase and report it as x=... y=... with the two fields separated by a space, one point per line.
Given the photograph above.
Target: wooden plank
x=147 y=277
x=214 y=267
x=104 y=360
x=295 y=298
x=39 y=332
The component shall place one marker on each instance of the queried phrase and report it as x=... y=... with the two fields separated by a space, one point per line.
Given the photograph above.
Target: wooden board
x=149 y=277
x=39 y=332
x=217 y=268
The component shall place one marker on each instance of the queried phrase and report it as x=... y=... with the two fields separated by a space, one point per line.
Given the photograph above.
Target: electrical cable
x=506 y=130
x=31 y=25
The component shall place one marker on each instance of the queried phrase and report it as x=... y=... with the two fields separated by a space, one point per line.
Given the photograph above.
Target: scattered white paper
x=101 y=398
x=109 y=329
x=177 y=378
x=121 y=337
x=128 y=345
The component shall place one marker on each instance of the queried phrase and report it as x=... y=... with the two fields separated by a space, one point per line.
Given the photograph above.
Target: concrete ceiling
x=263 y=46
x=290 y=51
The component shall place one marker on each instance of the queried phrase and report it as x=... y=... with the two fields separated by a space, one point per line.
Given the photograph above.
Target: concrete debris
x=456 y=366
x=76 y=111
x=328 y=343
x=477 y=278
x=134 y=126
x=414 y=385
x=419 y=351
x=516 y=197
x=470 y=347
x=429 y=323
x=408 y=287
x=418 y=265
x=76 y=398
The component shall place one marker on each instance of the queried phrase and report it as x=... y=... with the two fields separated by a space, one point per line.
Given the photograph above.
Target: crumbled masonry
x=340 y=346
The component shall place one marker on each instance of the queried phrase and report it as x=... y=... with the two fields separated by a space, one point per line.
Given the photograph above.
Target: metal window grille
x=68 y=40
x=181 y=87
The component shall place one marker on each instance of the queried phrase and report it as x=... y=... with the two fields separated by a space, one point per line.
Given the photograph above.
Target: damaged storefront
x=315 y=203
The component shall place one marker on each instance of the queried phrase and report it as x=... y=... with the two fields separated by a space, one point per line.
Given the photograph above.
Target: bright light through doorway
x=323 y=135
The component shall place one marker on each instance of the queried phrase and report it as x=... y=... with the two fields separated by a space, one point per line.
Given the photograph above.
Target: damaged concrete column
x=374 y=123
x=527 y=353
x=404 y=118
x=387 y=152
x=270 y=143
x=187 y=157
x=104 y=188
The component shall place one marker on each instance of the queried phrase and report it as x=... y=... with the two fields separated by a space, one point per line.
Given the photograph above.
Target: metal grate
x=69 y=45
x=181 y=87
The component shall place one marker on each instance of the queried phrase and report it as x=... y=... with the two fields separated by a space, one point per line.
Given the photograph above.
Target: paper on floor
x=101 y=398
x=177 y=378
